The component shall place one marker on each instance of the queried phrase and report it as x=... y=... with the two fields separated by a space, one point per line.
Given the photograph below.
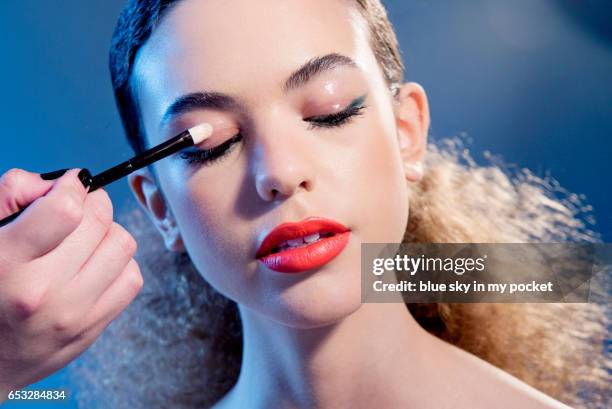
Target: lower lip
x=307 y=257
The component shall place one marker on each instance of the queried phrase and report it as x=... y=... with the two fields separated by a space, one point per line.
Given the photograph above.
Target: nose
x=282 y=167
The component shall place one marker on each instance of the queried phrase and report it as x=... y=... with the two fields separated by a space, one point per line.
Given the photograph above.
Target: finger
x=116 y=298
x=106 y=263
x=46 y=222
x=19 y=188
x=79 y=246
x=107 y=308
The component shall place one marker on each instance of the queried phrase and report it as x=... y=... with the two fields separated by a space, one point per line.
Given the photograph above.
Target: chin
x=324 y=297
x=296 y=315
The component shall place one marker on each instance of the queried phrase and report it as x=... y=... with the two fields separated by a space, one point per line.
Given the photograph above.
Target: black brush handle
x=10 y=218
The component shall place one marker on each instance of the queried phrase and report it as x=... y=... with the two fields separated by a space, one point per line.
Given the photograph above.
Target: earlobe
x=172 y=235
x=151 y=200
x=412 y=116
x=413 y=171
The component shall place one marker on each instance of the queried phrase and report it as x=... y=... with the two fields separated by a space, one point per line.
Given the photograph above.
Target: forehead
x=244 y=47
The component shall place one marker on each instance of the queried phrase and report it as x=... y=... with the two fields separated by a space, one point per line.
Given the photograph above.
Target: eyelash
x=212 y=155
x=209 y=156
x=337 y=119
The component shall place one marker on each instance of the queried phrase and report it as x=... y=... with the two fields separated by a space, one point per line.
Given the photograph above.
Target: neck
x=369 y=356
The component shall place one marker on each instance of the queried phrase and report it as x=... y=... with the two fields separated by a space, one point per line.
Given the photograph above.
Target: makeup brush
x=190 y=137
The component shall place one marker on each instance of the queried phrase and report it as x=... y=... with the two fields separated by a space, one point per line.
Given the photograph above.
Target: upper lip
x=293 y=230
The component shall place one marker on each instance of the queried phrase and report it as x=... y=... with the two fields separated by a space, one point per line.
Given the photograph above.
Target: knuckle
x=67 y=209
x=11 y=178
x=135 y=280
x=126 y=243
x=25 y=305
x=65 y=322
x=101 y=207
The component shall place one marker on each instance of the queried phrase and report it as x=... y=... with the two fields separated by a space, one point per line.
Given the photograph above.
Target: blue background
x=530 y=80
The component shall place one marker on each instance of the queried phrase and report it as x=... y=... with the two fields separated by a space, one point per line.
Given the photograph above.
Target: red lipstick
x=301 y=246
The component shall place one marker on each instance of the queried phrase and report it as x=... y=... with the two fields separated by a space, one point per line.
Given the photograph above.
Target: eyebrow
x=221 y=101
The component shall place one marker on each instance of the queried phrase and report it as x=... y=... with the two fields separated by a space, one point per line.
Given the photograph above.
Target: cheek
x=216 y=240
x=381 y=186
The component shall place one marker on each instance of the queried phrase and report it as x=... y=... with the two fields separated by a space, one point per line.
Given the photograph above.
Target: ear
x=151 y=200
x=412 y=117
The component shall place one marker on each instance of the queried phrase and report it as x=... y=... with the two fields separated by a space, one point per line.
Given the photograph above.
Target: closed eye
x=209 y=156
x=338 y=118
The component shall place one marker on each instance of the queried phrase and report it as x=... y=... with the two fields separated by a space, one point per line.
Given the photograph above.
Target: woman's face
x=286 y=167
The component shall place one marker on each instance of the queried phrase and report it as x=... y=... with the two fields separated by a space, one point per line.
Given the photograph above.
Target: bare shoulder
x=484 y=385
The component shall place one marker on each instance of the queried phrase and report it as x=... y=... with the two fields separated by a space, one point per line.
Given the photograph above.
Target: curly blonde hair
x=179 y=344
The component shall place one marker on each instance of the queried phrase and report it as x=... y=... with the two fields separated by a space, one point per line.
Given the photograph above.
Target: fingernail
x=85 y=178
x=53 y=175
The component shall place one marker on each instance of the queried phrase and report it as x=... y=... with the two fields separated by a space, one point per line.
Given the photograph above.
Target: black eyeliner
x=209 y=155
x=338 y=118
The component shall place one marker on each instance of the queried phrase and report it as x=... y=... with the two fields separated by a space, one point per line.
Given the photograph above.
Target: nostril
x=306 y=185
